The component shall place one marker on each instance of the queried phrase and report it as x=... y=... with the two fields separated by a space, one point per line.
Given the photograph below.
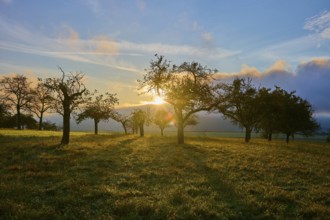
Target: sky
x=277 y=42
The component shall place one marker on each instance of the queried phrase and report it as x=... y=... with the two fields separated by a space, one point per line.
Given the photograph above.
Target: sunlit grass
x=117 y=176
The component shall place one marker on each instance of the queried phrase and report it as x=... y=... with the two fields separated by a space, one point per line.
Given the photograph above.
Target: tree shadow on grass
x=217 y=181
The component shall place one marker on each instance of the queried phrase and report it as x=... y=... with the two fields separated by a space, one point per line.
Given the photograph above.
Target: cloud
x=104 y=44
x=207 y=37
x=326 y=33
x=318 y=22
x=182 y=50
x=277 y=67
x=67 y=44
x=310 y=79
x=98 y=50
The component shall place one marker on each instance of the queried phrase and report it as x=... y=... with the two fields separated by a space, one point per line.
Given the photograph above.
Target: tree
x=186 y=87
x=5 y=115
x=27 y=121
x=50 y=126
x=270 y=106
x=296 y=115
x=140 y=118
x=162 y=119
x=328 y=137
x=240 y=105
x=17 y=92
x=98 y=107
x=41 y=101
x=122 y=119
x=192 y=120
x=68 y=96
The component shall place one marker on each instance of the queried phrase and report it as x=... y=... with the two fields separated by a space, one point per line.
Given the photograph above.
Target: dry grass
x=127 y=177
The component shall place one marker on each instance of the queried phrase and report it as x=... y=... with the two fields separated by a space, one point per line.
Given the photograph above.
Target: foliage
x=68 y=92
x=162 y=119
x=17 y=92
x=125 y=177
x=140 y=118
x=41 y=101
x=240 y=105
x=98 y=107
x=328 y=137
x=124 y=120
x=186 y=87
x=270 y=104
x=4 y=115
x=50 y=126
x=296 y=115
x=27 y=121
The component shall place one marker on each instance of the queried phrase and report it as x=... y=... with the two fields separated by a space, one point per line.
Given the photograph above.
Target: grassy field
x=113 y=176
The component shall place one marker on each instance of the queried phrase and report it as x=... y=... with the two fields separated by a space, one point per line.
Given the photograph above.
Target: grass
x=113 y=176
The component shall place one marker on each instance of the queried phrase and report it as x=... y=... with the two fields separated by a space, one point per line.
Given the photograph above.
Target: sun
x=158 y=100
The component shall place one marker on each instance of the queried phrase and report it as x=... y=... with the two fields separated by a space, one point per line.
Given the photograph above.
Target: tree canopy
x=98 y=107
x=240 y=105
x=17 y=92
x=68 y=91
x=186 y=87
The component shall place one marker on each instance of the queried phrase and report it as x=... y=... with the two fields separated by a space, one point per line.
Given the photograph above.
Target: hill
x=112 y=176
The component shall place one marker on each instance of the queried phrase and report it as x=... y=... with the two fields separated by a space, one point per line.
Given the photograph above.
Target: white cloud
x=185 y=50
x=99 y=50
x=318 y=22
x=207 y=37
x=326 y=33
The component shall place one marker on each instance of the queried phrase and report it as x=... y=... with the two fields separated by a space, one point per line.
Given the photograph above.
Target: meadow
x=116 y=176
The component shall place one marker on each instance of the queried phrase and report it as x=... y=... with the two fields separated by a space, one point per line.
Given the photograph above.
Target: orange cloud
x=246 y=71
x=317 y=61
x=105 y=45
x=278 y=66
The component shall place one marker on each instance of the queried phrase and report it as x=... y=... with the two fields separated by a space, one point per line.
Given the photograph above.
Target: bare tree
x=17 y=92
x=68 y=96
x=41 y=101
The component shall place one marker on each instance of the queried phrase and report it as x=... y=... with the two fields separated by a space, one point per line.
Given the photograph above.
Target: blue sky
x=285 y=43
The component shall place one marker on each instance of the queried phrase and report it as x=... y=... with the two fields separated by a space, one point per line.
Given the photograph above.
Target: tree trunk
x=287 y=137
x=141 y=130
x=40 y=122
x=124 y=126
x=96 y=127
x=162 y=132
x=66 y=126
x=180 y=134
x=180 y=124
x=18 y=117
x=247 y=134
x=270 y=136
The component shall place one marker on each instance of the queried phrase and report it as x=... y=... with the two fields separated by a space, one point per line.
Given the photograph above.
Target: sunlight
x=158 y=100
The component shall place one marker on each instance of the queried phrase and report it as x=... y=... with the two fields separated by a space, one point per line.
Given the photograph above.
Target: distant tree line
x=188 y=88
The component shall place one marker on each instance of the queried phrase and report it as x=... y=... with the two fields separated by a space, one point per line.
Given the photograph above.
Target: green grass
x=113 y=176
